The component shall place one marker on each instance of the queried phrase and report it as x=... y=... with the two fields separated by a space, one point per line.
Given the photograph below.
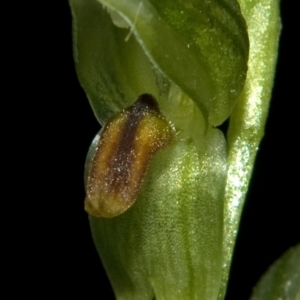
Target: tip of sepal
x=126 y=146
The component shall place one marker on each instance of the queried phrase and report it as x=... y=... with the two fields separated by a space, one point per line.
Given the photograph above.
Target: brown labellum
x=126 y=146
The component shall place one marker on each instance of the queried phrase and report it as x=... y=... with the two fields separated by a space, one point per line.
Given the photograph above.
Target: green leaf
x=200 y=46
x=282 y=280
x=169 y=243
x=247 y=121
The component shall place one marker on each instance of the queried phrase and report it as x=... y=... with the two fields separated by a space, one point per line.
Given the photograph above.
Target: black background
x=54 y=240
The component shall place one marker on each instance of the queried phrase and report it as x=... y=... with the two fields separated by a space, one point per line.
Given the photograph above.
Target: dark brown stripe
x=121 y=162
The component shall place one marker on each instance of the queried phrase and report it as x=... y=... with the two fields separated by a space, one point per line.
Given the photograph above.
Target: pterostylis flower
x=164 y=186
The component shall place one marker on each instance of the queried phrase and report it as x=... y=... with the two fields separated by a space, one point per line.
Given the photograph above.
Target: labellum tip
x=126 y=146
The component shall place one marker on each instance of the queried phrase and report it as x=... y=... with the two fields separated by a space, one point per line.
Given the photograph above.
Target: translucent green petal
x=169 y=243
x=282 y=280
x=112 y=72
x=201 y=46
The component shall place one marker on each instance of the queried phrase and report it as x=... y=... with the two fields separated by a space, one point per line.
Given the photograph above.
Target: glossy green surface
x=176 y=241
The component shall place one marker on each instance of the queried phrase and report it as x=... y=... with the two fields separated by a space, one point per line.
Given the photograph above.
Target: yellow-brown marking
x=126 y=147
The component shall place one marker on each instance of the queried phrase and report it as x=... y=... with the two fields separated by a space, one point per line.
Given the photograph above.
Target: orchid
x=171 y=236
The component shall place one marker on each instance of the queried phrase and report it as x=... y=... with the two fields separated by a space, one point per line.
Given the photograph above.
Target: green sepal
x=169 y=243
x=200 y=46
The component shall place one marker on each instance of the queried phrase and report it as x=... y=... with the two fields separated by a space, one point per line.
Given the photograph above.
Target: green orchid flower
x=165 y=187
